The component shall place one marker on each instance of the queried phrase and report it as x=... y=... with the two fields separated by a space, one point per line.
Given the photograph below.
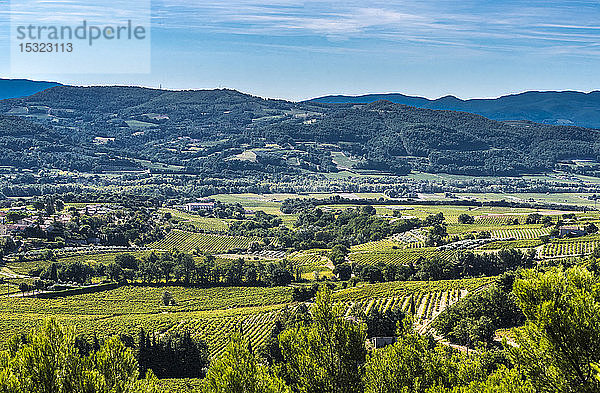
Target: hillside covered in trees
x=548 y=107
x=99 y=129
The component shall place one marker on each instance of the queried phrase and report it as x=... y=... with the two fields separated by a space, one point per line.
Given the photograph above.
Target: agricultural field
x=312 y=261
x=570 y=247
x=215 y=312
x=520 y=233
x=189 y=241
x=199 y=223
x=520 y=244
x=427 y=299
x=212 y=314
x=399 y=257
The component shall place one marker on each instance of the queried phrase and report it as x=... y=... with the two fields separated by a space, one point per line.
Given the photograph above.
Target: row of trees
x=465 y=264
x=174 y=355
x=175 y=266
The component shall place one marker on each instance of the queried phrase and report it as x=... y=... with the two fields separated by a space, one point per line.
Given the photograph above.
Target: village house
x=571 y=231
x=199 y=206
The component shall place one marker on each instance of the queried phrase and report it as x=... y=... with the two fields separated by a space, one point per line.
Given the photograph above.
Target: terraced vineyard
x=429 y=298
x=498 y=245
x=427 y=304
x=493 y=220
x=520 y=233
x=405 y=288
x=385 y=244
x=399 y=257
x=570 y=247
x=188 y=241
x=212 y=313
x=217 y=330
x=310 y=259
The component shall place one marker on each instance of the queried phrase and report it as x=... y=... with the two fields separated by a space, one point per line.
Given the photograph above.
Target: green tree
x=466 y=219
x=409 y=365
x=561 y=337
x=343 y=271
x=327 y=355
x=436 y=235
x=167 y=298
x=338 y=253
x=237 y=371
x=47 y=361
x=503 y=380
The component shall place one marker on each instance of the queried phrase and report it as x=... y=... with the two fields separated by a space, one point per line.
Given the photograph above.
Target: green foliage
x=238 y=371
x=381 y=323
x=338 y=254
x=172 y=355
x=560 y=338
x=47 y=361
x=258 y=225
x=476 y=318
x=501 y=381
x=317 y=228
x=343 y=271
x=167 y=298
x=416 y=364
x=326 y=355
x=436 y=235
x=466 y=219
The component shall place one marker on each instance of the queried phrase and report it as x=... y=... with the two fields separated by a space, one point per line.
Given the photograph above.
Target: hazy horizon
x=299 y=50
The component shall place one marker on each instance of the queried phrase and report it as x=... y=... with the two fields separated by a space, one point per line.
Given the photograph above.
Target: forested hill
x=13 y=88
x=548 y=107
x=225 y=132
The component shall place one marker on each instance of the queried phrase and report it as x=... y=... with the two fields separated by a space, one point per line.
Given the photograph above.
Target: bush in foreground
x=47 y=361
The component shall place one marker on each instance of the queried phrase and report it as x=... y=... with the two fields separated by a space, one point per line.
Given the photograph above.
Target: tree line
x=174 y=267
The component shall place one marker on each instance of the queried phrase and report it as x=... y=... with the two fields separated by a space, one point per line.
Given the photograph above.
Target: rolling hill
x=14 y=88
x=228 y=133
x=548 y=107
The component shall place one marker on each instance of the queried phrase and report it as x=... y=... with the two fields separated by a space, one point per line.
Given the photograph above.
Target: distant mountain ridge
x=16 y=88
x=547 y=107
x=216 y=133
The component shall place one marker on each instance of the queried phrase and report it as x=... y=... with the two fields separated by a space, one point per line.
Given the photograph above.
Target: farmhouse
x=571 y=231
x=198 y=206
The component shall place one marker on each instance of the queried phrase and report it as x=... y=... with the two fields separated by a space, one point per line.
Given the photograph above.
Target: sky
x=302 y=49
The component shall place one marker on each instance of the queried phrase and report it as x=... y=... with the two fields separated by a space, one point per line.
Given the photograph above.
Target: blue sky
x=301 y=49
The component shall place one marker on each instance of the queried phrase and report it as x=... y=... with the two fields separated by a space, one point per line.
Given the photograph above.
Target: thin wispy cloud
x=411 y=42
x=517 y=24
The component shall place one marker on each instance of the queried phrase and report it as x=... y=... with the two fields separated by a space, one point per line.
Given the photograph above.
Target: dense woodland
x=201 y=132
